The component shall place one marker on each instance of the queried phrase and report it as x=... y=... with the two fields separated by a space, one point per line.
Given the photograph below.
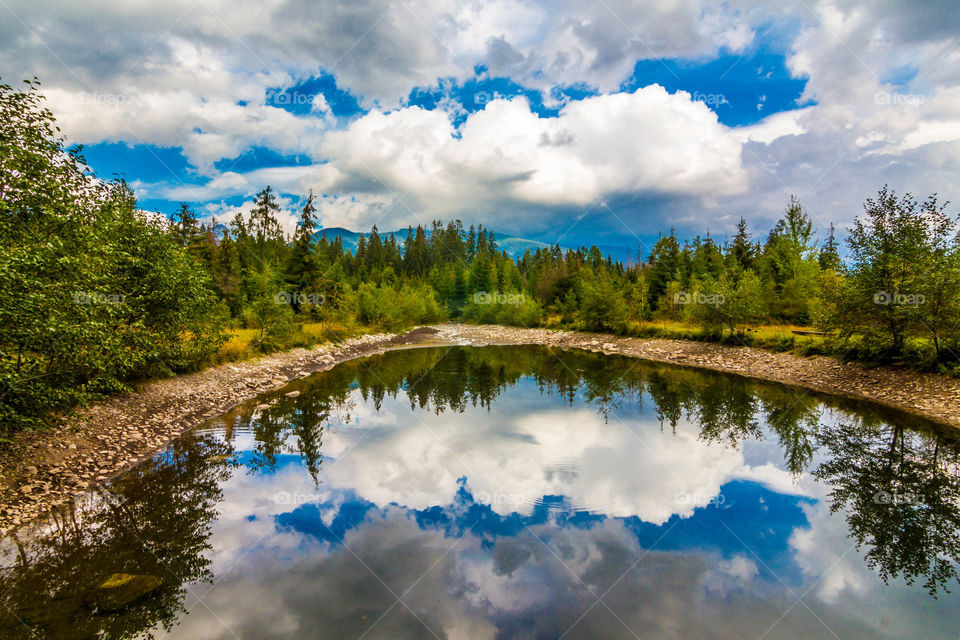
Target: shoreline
x=43 y=470
x=929 y=396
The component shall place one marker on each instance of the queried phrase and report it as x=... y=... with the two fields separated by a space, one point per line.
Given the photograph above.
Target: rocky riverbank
x=931 y=396
x=42 y=470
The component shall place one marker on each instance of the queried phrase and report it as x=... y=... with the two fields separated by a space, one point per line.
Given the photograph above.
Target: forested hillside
x=96 y=293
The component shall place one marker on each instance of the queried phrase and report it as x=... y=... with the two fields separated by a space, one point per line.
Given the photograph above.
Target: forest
x=96 y=293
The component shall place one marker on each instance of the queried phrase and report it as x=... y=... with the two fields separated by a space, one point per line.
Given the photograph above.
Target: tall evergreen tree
x=742 y=250
x=302 y=262
x=829 y=257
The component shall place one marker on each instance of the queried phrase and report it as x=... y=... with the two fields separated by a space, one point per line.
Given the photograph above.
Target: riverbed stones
x=122 y=589
x=99 y=442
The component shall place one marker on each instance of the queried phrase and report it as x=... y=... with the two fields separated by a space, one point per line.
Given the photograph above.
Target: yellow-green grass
x=240 y=342
x=237 y=346
x=776 y=336
x=679 y=329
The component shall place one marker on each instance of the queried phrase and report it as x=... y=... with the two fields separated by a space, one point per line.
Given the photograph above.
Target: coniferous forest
x=96 y=293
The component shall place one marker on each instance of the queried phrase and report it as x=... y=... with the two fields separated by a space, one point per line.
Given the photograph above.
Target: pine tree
x=227 y=274
x=302 y=267
x=742 y=251
x=665 y=264
x=185 y=225
x=265 y=229
x=829 y=257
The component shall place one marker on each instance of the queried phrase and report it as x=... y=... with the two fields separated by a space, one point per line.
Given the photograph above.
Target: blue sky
x=536 y=119
x=756 y=518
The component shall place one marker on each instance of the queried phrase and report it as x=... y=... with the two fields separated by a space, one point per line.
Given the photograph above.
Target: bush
x=93 y=292
x=604 y=307
x=388 y=309
x=273 y=323
x=514 y=309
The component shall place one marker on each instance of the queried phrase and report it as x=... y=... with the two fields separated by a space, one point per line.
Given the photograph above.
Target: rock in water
x=120 y=589
x=292 y=394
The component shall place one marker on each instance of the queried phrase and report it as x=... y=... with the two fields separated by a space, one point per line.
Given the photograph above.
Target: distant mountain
x=514 y=246
x=350 y=238
x=619 y=253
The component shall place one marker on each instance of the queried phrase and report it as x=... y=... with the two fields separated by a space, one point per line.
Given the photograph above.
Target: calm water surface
x=514 y=492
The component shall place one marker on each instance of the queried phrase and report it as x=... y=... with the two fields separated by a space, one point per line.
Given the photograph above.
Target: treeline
x=96 y=293
x=897 y=297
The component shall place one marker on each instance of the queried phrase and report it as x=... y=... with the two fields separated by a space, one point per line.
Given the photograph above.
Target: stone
x=292 y=394
x=262 y=407
x=122 y=589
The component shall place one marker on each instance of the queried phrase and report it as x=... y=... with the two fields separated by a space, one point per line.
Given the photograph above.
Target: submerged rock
x=121 y=589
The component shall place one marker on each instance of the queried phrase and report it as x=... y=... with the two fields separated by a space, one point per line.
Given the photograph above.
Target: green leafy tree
x=790 y=264
x=880 y=299
x=730 y=302
x=94 y=293
x=604 y=307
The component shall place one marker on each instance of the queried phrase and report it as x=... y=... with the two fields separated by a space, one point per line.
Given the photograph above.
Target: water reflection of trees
x=898 y=487
x=154 y=521
x=865 y=457
x=900 y=491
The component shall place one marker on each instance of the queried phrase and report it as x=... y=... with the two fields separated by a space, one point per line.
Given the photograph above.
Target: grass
x=240 y=344
x=237 y=346
x=775 y=337
x=918 y=353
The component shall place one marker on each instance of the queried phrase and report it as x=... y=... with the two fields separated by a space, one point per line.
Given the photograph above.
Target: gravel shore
x=42 y=470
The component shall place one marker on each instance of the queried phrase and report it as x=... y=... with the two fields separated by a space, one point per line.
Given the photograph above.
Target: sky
x=570 y=122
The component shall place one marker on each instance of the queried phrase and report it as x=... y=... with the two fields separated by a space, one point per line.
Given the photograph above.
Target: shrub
x=388 y=309
x=515 y=309
x=604 y=307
